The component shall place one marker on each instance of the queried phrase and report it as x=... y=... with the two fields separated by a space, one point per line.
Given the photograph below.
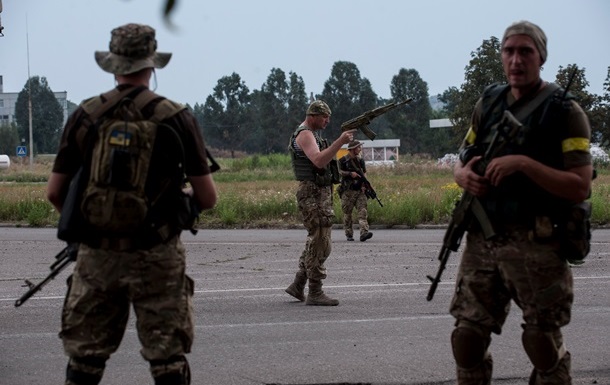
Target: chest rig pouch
x=553 y=219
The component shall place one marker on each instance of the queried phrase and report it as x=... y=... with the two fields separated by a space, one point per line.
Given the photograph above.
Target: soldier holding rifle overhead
x=315 y=167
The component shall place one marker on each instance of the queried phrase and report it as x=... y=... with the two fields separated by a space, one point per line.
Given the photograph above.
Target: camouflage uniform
x=148 y=273
x=513 y=267
x=349 y=200
x=153 y=281
x=315 y=206
x=314 y=199
x=352 y=196
x=521 y=263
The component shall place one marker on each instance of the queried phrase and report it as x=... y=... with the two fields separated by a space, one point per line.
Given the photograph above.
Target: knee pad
x=544 y=348
x=173 y=371
x=85 y=370
x=469 y=343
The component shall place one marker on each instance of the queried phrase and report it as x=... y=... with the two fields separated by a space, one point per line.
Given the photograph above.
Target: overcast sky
x=250 y=37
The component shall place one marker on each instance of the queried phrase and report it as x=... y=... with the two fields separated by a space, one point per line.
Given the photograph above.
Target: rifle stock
x=469 y=208
x=67 y=255
x=362 y=122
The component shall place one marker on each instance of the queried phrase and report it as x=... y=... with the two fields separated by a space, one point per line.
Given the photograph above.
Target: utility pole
x=27 y=39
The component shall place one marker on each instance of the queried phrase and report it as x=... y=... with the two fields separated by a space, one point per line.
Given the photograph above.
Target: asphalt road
x=248 y=331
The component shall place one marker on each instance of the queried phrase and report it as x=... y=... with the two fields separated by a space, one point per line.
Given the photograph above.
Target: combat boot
x=317 y=297
x=297 y=288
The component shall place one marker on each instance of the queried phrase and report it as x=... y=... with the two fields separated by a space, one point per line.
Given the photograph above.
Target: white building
x=380 y=151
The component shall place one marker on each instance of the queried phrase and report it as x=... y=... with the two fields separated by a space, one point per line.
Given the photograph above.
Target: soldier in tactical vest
x=315 y=167
x=147 y=269
x=352 y=191
x=526 y=192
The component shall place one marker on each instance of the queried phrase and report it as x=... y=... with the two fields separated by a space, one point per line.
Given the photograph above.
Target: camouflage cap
x=318 y=107
x=354 y=144
x=524 y=27
x=132 y=48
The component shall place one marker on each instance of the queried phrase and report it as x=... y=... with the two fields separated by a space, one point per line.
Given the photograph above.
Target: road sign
x=22 y=151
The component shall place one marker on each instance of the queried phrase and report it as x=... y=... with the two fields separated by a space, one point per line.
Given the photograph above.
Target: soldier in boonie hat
x=318 y=107
x=353 y=144
x=132 y=48
x=166 y=328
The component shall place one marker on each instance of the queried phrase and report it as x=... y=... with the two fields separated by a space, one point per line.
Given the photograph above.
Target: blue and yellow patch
x=119 y=138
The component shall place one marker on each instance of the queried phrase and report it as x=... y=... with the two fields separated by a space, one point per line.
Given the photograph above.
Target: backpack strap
x=523 y=112
x=163 y=110
x=97 y=106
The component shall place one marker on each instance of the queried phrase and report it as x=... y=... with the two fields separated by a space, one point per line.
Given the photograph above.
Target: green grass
x=258 y=192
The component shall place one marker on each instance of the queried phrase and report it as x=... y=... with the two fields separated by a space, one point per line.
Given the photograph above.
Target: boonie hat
x=132 y=48
x=318 y=107
x=353 y=144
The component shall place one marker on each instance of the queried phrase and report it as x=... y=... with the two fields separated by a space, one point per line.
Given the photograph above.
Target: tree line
x=235 y=119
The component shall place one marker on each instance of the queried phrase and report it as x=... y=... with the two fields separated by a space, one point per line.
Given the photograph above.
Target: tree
x=347 y=95
x=411 y=124
x=270 y=113
x=47 y=115
x=297 y=101
x=9 y=138
x=590 y=103
x=484 y=69
x=578 y=85
x=600 y=116
x=225 y=114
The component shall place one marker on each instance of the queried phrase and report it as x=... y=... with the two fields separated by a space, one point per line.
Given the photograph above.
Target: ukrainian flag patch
x=119 y=138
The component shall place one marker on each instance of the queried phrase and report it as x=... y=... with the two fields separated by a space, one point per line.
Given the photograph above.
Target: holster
x=576 y=231
x=572 y=229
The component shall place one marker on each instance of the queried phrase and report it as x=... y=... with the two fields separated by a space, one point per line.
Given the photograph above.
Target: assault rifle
x=368 y=189
x=469 y=207
x=362 y=122
x=67 y=255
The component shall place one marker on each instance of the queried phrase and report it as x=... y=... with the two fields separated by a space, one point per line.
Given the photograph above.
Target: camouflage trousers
x=531 y=274
x=104 y=284
x=315 y=206
x=351 y=199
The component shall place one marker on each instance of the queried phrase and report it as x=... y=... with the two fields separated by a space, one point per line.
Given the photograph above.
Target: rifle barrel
x=63 y=259
x=443 y=257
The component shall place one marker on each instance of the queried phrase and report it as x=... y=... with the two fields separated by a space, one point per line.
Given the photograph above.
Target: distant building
x=9 y=99
x=440 y=123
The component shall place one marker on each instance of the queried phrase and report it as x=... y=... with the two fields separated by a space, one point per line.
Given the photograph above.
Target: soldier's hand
x=347 y=136
x=469 y=180
x=501 y=167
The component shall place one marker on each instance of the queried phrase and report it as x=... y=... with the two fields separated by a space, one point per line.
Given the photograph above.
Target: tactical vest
x=304 y=169
x=518 y=199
